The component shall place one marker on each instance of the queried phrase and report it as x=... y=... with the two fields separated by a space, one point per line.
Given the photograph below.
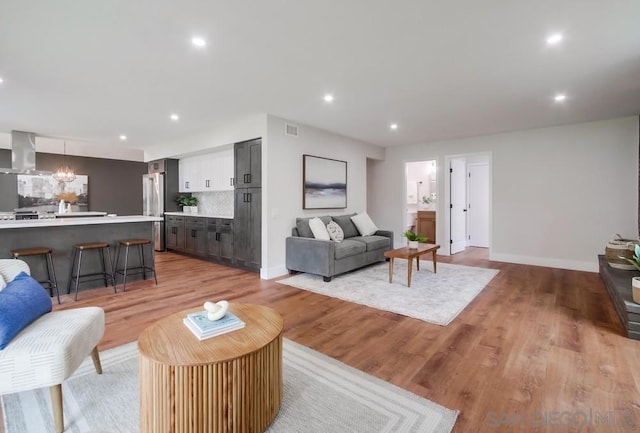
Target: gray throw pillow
x=302 y=224
x=348 y=227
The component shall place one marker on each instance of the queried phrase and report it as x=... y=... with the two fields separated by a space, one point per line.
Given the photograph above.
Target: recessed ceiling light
x=554 y=39
x=328 y=97
x=198 y=41
x=123 y=137
x=393 y=126
x=560 y=97
x=1 y=80
x=175 y=117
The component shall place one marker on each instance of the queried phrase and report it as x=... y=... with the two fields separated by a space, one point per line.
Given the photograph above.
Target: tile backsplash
x=215 y=202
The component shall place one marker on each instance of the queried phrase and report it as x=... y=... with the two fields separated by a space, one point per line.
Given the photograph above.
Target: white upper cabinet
x=224 y=174
x=189 y=175
x=208 y=168
x=208 y=172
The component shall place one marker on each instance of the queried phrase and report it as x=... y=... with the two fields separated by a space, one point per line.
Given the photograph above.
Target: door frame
x=445 y=188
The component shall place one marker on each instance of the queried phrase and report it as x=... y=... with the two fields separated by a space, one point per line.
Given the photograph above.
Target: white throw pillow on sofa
x=318 y=229
x=363 y=223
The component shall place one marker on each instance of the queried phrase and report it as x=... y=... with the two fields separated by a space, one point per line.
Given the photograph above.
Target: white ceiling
x=92 y=70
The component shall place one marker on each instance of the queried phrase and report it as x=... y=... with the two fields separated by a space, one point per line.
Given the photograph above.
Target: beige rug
x=437 y=298
x=320 y=395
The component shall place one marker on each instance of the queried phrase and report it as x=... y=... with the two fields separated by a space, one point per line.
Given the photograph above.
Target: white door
x=478 y=205
x=457 y=206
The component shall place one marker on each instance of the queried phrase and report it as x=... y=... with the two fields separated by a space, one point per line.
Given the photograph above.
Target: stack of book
x=203 y=328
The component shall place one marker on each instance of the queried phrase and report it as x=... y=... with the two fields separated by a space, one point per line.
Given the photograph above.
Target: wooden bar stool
x=45 y=252
x=143 y=268
x=77 y=262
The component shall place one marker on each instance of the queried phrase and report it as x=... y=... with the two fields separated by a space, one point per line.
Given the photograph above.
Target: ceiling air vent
x=291 y=130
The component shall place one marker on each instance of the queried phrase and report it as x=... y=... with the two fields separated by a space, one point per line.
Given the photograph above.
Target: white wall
x=282 y=182
x=558 y=194
x=241 y=130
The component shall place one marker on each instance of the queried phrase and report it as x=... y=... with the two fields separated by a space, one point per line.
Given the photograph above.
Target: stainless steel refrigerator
x=159 y=193
x=153 y=204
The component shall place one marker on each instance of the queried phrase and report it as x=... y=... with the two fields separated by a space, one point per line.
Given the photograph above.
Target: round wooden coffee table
x=228 y=383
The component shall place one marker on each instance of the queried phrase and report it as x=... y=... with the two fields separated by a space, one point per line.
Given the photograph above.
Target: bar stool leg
x=78 y=275
x=73 y=265
x=113 y=275
x=141 y=253
x=53 y=283
x=104 y=268
x=153 y=263
x=126 y=263
x=118 y=251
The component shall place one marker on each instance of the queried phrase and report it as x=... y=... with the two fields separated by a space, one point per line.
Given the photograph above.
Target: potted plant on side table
x=414 y=239
x=635 y=281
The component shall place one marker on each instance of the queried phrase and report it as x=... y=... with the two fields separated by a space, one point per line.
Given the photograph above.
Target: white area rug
x=320 y=395
x=436 y=298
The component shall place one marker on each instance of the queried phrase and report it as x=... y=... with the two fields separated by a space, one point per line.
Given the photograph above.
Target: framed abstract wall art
x=324 y=183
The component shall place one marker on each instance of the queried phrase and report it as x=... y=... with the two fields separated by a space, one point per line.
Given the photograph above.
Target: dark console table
x=618 y=284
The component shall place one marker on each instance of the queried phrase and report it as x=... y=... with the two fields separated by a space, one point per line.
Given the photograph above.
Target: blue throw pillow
x=21 y=302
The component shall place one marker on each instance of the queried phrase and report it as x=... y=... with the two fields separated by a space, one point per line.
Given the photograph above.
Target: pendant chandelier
x=64 y=173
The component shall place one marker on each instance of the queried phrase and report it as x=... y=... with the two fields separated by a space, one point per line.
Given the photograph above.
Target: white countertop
x=199 y=215
x=58 y=222
x=79 y=214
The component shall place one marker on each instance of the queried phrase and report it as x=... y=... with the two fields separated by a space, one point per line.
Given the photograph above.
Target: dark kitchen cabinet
x=247 y=228
x=248 y=164
x=174 y=231
x=220 y=239
x=247 y=220
x=195 y=236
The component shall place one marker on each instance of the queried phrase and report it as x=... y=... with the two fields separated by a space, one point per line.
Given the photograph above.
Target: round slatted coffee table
x=228 y=383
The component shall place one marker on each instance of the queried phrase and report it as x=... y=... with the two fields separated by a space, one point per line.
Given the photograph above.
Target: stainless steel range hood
x=23 y=155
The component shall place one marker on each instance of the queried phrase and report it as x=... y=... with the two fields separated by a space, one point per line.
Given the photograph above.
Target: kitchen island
x=61 y=234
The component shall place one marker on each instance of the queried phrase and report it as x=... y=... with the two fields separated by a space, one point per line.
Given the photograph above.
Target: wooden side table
x=228 y=383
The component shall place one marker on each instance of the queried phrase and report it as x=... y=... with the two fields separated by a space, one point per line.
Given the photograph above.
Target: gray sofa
x=328 y=258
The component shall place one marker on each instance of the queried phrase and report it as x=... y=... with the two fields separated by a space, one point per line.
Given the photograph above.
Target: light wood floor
x=535 y=343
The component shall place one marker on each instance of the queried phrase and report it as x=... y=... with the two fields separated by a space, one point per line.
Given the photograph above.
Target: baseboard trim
x=276 y=271
x=549 y=262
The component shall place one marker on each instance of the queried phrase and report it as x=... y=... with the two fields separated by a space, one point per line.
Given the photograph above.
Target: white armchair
x=50 y=349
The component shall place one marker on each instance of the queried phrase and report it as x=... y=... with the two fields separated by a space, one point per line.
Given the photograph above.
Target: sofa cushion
x=21 y=302
x=348 y=227
x=302 y=224
x=319 y=229
x=373 y=242
x=348 y=248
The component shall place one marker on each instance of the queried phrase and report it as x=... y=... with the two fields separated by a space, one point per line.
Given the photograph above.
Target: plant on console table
x=189 y=204
x=414 y=239
x=635 y=281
